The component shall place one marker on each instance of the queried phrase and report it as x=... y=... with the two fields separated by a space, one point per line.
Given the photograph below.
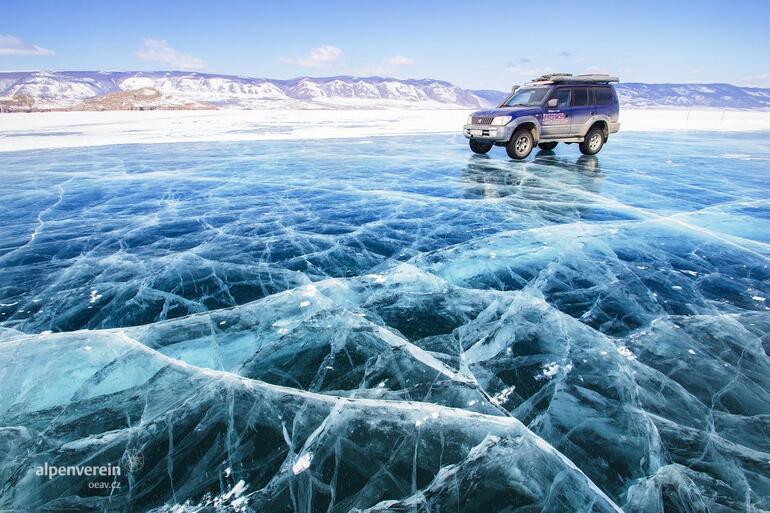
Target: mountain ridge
x=146 y=90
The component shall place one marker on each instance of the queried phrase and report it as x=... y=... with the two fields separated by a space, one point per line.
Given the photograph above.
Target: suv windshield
x=528 y=97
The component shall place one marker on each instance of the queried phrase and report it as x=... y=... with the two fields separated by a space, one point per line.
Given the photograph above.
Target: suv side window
x=580 y=97
x=603 y=95
x=563 y=96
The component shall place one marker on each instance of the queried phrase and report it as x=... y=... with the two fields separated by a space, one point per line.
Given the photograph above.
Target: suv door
x=556 y=120
x=583 y=110
x=606 y=105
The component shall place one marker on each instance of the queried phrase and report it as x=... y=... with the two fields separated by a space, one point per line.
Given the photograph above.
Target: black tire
x=547 y=145
x=593 y=142
x=520 y=145
x=479 y=147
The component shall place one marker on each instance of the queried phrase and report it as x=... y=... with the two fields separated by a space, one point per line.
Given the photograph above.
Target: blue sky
x=471 y=44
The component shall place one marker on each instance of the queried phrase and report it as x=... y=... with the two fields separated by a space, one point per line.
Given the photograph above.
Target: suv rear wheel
x=520 y=145
x=479 y=147
x=593 y=142
x=547 y=145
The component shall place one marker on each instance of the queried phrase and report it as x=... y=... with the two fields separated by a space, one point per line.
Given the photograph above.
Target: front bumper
x=614 y=127
x=489 y=133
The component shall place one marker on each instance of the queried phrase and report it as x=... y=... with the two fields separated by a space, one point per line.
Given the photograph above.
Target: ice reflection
x=492 y=178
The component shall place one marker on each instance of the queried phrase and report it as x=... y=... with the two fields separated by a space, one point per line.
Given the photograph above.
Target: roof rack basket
x=554 y=78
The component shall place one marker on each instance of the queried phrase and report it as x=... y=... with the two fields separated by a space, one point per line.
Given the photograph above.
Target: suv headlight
x=470 y=120
x=501 y=120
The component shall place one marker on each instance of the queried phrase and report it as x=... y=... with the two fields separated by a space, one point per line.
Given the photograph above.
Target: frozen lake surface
x=388 y=324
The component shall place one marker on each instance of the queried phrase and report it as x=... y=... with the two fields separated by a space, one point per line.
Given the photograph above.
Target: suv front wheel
x=479 y=147
x=593 y=142
x=520 y=145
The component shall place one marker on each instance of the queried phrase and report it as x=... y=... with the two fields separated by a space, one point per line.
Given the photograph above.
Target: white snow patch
x=238 y=489
x=502 y=397
x=94 y=296
x=551 y=369
x=239 y=504
x=626 y=353
x=302 y=463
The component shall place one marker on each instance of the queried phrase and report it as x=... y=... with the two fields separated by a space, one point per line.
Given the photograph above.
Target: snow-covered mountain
x=640 y=95
x=721 y=96
x=69 y=89
x=103 y=90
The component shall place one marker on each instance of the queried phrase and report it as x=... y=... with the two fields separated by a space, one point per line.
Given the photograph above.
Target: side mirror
x=514 y=88
x=553 y=102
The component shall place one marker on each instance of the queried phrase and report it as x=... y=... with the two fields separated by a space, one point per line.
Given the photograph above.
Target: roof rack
x=554 y=78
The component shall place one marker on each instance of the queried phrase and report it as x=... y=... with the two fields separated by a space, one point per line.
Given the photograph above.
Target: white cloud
x=158 y=50
x=399 y=61
x=757 y=80
x=12 y=45
x=319 y=57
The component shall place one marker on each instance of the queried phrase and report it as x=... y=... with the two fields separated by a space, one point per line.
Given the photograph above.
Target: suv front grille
x=482 y=120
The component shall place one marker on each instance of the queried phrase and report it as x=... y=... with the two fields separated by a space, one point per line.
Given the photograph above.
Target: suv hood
x=509 y=111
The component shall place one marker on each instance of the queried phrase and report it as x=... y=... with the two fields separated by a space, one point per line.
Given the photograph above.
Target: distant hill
x=137 y=90
x=491 y=96
x=720 y=96
x=68 y=90
x=640 y=95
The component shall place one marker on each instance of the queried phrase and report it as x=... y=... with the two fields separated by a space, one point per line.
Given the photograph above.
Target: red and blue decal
x=554 y=118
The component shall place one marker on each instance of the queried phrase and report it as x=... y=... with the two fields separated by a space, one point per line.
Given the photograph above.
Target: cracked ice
x=387 y=325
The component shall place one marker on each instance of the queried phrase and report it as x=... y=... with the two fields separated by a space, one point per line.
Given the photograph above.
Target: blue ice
x=394 y=326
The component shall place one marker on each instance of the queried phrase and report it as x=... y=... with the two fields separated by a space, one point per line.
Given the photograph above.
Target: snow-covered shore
x=78 y=129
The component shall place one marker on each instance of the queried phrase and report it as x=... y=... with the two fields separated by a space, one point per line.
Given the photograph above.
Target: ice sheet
x=388 y=324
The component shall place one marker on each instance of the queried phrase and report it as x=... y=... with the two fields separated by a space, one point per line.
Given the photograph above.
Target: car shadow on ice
x=584 y=163
x=488 y=177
